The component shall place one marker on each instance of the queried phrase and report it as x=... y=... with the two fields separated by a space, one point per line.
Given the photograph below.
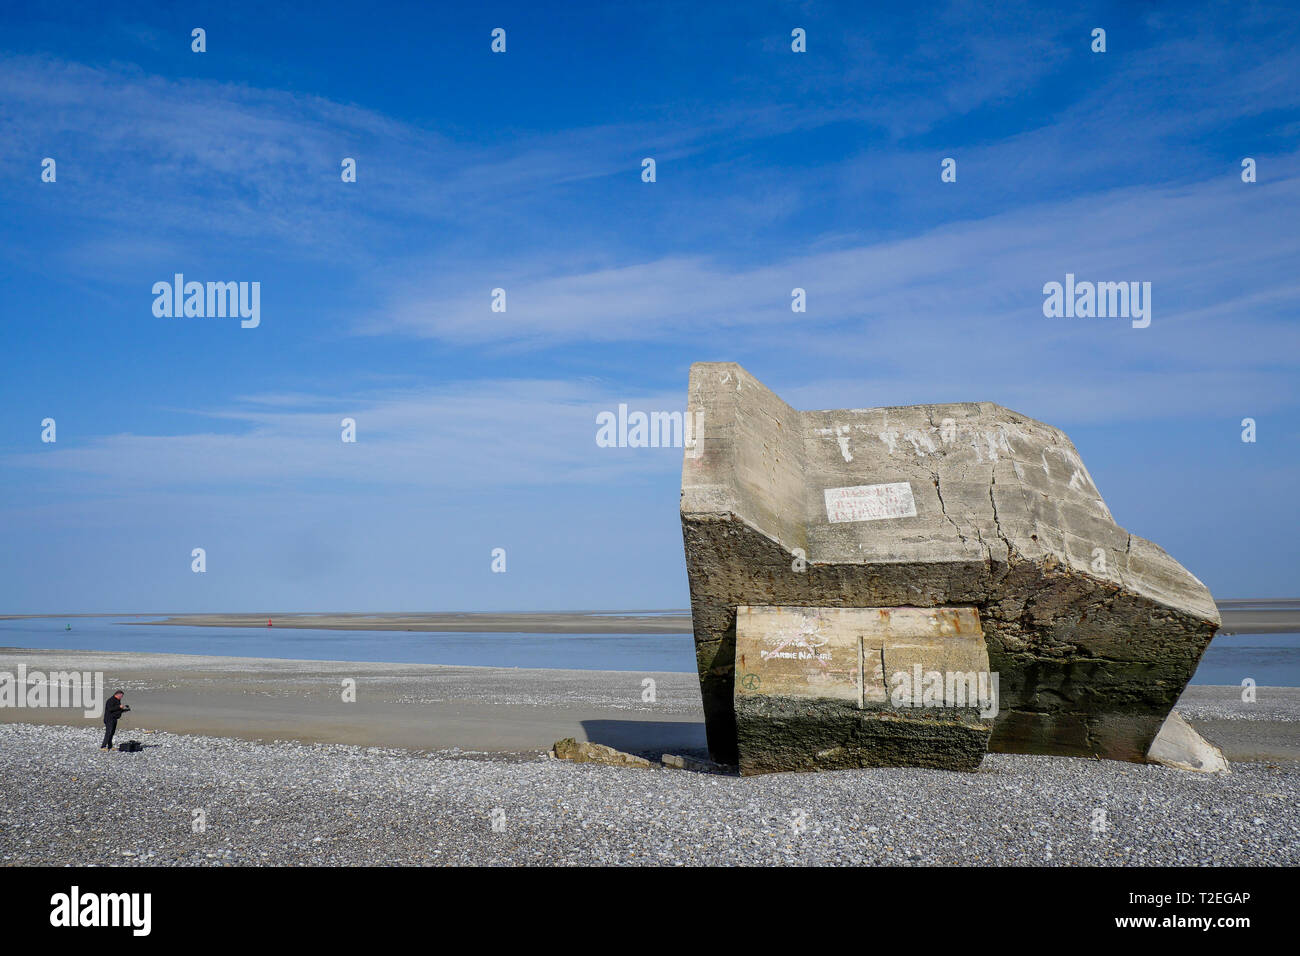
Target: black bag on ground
x=130 y=746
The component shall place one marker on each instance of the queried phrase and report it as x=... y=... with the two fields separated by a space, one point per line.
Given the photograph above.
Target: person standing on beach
x=113 y=709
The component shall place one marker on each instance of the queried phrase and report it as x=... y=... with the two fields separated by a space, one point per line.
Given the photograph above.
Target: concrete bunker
x=830 y=552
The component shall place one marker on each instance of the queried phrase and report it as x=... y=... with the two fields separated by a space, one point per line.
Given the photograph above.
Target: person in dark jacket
x=113 y=709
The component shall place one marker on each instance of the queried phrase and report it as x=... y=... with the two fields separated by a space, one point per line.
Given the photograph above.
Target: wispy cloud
x=962 y=300
x=471 y=435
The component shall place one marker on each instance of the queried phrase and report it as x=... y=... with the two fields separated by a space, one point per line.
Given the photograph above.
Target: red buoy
x=268 y=622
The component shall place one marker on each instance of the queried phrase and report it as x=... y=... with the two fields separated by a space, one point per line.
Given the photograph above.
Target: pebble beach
x=295 y=804
x=247 y=762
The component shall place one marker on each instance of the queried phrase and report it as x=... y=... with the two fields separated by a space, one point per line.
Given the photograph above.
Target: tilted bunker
x=841 y=560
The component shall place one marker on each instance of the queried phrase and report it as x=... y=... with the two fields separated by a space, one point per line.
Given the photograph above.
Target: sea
x=1270 y=660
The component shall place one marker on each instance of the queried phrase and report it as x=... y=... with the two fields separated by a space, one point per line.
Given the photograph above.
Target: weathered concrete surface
x=681 y=762
x=1181 y=747
x=585 y=752
x=845 y=687
x=1093 y=631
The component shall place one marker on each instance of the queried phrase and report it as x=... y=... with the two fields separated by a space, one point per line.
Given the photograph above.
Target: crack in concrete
x=884 y=678
x=943 y=508
x=862 y=675
x=997 y=524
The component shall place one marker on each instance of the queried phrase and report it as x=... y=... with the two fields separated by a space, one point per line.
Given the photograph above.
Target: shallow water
x=1269 y=660
x=615 y=652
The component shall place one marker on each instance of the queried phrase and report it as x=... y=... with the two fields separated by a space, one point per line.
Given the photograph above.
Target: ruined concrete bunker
x=830 y=553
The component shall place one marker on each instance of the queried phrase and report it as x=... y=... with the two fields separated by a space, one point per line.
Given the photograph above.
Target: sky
x=522 y=170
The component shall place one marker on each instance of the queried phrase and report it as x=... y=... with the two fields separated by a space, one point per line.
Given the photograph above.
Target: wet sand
x=491 y=709
x=509 y=622
x=416 y=706
x=567 y=622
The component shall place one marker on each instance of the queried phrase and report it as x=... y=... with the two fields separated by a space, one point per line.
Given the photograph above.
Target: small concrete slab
x=679 y=762
x=1182 y=748
x=585 y=752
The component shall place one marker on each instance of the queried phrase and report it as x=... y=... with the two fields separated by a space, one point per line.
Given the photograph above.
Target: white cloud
x=488 y=433
x=961 y=301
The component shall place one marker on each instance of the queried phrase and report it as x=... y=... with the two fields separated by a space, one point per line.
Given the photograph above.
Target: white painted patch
x=842 y=437
x=870 y=502
x=921 y=442
x=890 y=439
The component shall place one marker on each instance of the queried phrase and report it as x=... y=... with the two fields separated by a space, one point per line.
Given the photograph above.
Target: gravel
x=288 y=803
x=1274 y=704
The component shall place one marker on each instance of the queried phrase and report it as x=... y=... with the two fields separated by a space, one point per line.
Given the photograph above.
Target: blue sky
x=522 y=171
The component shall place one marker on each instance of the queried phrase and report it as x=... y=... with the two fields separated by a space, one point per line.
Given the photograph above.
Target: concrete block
x=1093 y=630
x=585 y=752
x=1179 y=746
x=860 y=687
